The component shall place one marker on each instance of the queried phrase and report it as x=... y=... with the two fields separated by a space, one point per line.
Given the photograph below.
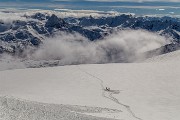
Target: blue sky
x=89 y=0
x=139 y=7
x=89 y=3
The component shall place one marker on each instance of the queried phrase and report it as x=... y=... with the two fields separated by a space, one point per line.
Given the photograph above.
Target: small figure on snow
x=108 y=89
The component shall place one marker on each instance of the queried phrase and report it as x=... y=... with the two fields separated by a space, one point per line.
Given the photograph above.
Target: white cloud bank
x=67 y=49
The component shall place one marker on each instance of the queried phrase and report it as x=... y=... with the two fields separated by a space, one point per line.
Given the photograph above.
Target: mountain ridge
x=19 y=34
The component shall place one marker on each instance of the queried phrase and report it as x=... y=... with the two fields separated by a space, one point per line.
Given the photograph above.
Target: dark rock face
x=166 y=24
x=35 y=41
x=90 y=34
x=55 y=22
x=30 y=32
x=3 y=27
x=39 y=16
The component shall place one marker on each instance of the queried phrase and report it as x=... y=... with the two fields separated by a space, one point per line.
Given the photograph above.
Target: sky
x=90 y=0
x=138 y=7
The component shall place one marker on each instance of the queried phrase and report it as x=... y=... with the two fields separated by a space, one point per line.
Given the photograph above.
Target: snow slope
x=16 y=109
x=141 y=91
x=170 y=57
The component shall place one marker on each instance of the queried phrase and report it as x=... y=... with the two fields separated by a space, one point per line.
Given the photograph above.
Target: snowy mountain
x=129 y=87
x=138 y=91
x=16 y=35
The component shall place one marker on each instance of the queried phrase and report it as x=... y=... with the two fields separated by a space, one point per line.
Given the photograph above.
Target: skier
x=108 y=89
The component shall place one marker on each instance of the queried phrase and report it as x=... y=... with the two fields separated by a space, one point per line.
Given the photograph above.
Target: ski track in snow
x=110 y=94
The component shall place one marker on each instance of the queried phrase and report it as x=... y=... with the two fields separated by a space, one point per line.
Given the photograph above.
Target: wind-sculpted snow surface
x=170 y=57
x=17 y=109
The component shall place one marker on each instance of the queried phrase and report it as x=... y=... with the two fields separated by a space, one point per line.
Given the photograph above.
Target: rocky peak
x=55 y=22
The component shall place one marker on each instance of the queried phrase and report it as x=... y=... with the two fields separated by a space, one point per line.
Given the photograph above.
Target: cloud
x=68 y=49
x=118 y=47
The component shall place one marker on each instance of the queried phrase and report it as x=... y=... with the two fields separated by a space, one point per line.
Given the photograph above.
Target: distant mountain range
x=15 y=36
